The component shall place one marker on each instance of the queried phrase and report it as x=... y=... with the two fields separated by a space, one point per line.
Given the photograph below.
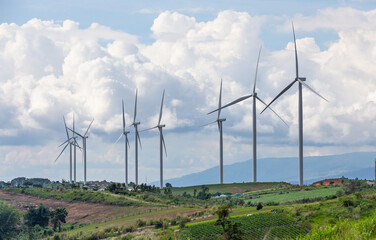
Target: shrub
x=9 y=219
x=140 y=223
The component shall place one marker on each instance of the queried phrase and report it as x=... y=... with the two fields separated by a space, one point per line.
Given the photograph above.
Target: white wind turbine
x=136 y=136
x=84 y=137
x=301 y=81
x=254 y=133
x=161 y=142
x=126 y=143
x=219 y=121
x=70 y=141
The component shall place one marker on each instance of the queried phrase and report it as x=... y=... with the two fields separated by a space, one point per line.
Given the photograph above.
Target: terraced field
x=255 y=226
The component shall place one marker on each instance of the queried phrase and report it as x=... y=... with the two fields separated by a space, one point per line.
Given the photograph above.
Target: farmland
x=263 y=210
x=255 y=226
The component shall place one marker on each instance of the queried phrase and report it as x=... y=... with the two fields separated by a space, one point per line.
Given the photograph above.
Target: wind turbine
x=301 y=81
x=70 y=141
x=254 y=133
x=219 y=121
x=74 y=153
x=136 y=136
x=161 y=142
x=125 y=133
x=84 y=137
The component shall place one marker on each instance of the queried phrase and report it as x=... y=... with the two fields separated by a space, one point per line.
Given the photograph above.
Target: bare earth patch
x=78 y=212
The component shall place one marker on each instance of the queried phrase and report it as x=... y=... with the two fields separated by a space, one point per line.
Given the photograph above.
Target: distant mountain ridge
x=351 y=165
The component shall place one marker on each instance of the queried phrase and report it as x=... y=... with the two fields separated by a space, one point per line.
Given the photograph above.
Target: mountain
x=351 y=165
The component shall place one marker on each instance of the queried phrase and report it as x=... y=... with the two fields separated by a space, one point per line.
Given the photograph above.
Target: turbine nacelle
x=221 y=119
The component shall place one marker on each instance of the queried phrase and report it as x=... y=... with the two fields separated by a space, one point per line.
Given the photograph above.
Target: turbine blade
x=122 y=101
x=135 y=107
x=258 y=59
x=311 y=89
x=296 y=52
x=233 y=102
x=139 y=140
x=283 y=91
x=163 y=141
x=160 y=112
x=219 y=126
x=75 y=132
x=61 y=152
x=76 y=144
x=126 y=137
x=119 y=138
x=73 y=123
x=148 y=129
x=88 y=127
x=64 y=142
x=208 y=124
x=220 y=101
x=65 y=124
x=272 y=110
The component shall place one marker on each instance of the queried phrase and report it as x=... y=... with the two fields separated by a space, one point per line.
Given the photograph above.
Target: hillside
x=352 y=165
x=264 y=210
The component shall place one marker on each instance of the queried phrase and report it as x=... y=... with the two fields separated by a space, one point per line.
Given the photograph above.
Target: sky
x=59 y=58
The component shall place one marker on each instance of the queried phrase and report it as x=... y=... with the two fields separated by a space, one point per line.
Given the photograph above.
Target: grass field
x=230 y=188
x=255 y=226
x=297 y=195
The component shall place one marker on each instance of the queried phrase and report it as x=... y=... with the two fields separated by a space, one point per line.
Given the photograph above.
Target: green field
x=255 y=226
x=297 y=195
x=231 y=187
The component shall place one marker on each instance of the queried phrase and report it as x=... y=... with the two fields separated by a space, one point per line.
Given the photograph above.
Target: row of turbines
x=71 y=141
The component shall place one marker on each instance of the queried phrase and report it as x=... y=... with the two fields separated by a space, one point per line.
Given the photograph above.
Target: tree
x=9 y=219
x=259 y=206
x=58 y=216
x=168 y=185
x=231 y=231
x=40 y=216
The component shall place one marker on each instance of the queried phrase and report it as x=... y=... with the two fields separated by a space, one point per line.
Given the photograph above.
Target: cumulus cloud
x=49 y=70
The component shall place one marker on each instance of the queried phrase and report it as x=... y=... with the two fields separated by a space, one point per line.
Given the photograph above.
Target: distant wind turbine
x=84 y=137
x=136 y=137
x=254 y=96
x=74 y=153
x=301 y=81
x=161 y=142
x=70 y=141
x=219 y=121
x=126 y=145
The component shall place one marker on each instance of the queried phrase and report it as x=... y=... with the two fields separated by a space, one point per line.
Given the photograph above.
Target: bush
x=37 y=216
x=9 y=219
x=259 y=206
x=140 y=223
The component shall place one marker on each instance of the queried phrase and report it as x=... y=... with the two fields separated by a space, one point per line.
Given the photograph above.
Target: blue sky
x=60 y=57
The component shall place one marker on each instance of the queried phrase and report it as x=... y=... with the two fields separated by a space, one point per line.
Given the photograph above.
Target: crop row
x=256 y=226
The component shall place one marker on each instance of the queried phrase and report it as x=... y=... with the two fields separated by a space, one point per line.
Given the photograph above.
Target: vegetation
x=229 y=211
x=37 y=216
x=72 y=195
x=9 y=219
x=345 y=229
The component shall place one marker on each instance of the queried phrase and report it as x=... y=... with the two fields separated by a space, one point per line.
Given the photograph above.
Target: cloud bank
x=52 y=69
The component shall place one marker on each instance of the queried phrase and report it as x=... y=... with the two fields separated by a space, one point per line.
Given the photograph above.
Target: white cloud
x=49 y=70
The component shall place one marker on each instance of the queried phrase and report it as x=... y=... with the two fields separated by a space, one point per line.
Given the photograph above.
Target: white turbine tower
x=126 y=143
x=74 y=154
x=136 y=136
x=301 y=81
x=254 y=133
x=83 y=137
x=219 y=121
x=161 y=142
